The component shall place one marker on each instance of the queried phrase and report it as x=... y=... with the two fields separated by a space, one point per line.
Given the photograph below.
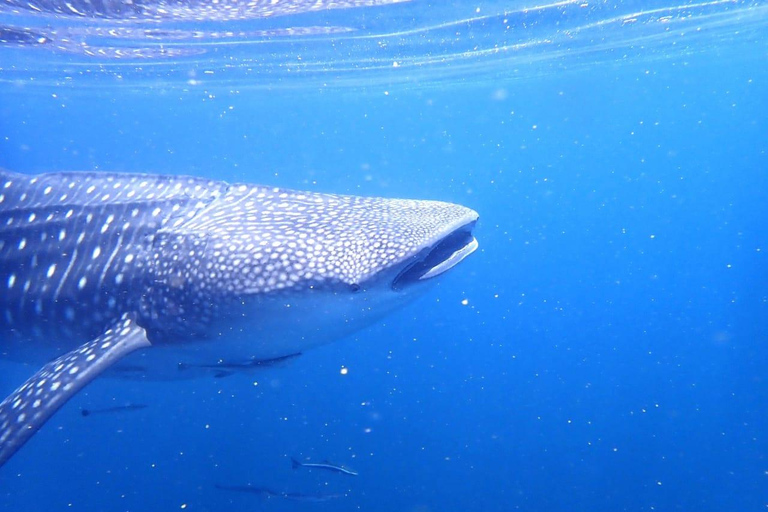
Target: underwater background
x=605 y=349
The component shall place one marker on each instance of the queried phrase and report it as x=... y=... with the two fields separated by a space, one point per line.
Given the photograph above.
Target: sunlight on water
x=294 y=43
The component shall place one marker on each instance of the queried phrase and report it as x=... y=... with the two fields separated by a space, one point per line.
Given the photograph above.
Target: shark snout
x=447 y=249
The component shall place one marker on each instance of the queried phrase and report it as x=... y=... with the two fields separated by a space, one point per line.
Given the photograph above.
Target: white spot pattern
x=24 y=411
x=69 y=242
x=176 y=249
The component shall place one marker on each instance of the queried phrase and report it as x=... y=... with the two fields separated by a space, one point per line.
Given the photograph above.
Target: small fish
x=322 y=465
x=308 y=498
x=223 y=369
x=269 y=493
x=117 y=408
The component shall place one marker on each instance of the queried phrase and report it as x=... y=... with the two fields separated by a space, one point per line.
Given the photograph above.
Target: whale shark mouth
x=448 y=252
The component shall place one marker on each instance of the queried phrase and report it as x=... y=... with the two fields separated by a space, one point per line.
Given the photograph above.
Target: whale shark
x=167 y=277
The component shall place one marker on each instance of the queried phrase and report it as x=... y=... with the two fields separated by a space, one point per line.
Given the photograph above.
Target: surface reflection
x=349 y=43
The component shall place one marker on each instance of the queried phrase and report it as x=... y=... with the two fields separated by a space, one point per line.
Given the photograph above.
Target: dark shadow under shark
x=167 y=271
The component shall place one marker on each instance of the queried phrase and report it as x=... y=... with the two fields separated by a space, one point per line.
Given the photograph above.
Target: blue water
x=604 y=350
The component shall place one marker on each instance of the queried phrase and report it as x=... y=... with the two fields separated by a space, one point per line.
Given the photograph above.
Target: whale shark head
x=304 y=267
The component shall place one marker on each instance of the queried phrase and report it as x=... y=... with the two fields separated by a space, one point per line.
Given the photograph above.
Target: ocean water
x=605 y=348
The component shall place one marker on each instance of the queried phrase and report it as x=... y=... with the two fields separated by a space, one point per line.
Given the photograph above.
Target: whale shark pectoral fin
x=25 y=410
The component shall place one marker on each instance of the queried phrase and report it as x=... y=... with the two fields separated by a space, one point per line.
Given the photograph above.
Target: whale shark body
x=165 y=277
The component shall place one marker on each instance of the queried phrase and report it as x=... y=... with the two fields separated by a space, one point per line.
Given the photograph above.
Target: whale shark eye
x=354 y=287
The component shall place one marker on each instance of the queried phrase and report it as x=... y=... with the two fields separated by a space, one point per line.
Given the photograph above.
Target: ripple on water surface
x=296 y=43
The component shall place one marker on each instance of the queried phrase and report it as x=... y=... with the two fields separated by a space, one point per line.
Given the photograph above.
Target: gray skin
x=187 y=271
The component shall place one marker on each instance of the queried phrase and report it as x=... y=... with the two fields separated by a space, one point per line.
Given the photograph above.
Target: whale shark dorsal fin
x=25 y=410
